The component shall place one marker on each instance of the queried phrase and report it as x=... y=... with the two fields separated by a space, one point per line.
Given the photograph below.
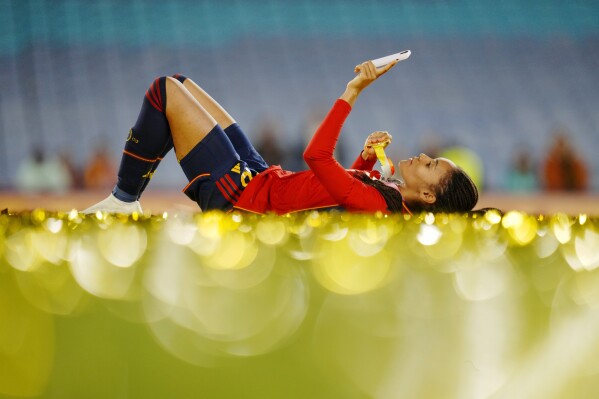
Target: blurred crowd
x=560 y=168
x=56 y=173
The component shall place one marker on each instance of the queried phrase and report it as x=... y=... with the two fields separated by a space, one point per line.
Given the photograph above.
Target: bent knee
x=179 y=77
x=174 y=88
x=171 y=81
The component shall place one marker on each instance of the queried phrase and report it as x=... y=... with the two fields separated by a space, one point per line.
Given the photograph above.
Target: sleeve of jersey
x=361 y=164
x=340 y=184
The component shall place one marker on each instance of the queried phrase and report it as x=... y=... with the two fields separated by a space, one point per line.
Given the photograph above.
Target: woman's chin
x=400 y=166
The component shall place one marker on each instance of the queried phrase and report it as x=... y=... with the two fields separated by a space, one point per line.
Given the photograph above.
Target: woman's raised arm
x=366 y=74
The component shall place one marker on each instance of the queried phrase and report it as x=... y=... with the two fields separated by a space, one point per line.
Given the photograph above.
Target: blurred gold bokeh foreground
x=312 y=305
x=156 y=201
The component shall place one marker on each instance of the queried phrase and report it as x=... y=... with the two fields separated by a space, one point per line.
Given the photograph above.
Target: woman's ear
x=428 y=197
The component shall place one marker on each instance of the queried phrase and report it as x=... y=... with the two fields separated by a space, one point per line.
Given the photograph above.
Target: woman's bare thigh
x=188 y=120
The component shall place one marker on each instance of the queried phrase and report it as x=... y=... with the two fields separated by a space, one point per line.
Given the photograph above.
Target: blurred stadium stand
x=489 y=76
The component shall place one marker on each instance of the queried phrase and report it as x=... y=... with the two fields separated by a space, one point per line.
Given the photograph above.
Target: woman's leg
x=148 y=142
x=240 y=142
x=181 y=121
x=209 y=104
x=189 y=121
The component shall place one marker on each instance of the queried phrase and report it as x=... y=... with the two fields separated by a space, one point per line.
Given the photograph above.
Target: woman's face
x=423 y=174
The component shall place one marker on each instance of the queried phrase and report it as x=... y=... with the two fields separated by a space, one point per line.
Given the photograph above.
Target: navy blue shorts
x=219 y=167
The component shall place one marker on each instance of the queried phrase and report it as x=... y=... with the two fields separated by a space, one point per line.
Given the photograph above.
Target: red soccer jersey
x=327 y=184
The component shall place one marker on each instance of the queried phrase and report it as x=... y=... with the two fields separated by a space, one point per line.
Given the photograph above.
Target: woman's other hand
x=378 y=137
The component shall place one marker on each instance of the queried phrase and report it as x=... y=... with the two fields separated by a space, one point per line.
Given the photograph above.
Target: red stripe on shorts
x=234 y=186
x=229 y=189
x=224 y=192
x=231 y=186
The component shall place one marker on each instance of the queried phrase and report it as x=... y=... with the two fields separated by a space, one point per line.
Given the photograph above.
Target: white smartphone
x=381 y=62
